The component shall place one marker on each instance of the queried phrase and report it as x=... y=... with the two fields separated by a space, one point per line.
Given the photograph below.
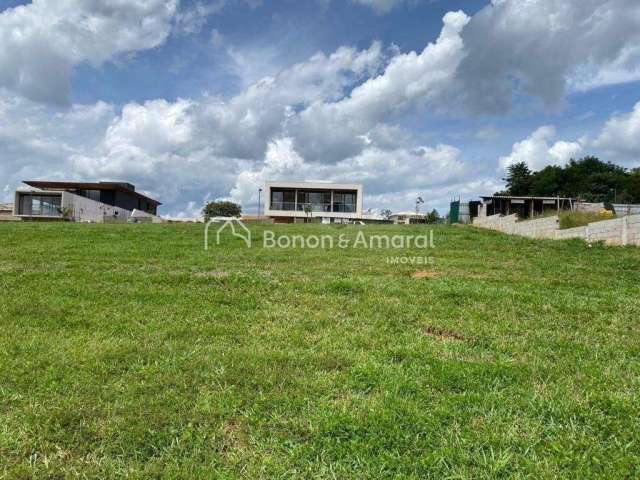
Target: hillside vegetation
x=130 y=351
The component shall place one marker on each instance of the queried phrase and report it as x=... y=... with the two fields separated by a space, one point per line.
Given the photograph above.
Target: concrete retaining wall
x=87 y=210
x=609 y=231
x=540 y=228
x=631 y=230
x=618 y=231
x=567 y=233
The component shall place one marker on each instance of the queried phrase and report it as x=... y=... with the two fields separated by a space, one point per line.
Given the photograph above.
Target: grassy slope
x=128 y=349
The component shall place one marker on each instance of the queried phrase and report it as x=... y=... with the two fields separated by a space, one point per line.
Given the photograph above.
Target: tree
x=632 y=187
x=308 y=211
x=588 y=178
x=386 y=213
x=548 y=182
x=221 y=209
x=433 y=216
x=518 y=179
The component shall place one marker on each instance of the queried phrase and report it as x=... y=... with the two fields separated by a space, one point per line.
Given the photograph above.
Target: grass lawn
x=129 y=351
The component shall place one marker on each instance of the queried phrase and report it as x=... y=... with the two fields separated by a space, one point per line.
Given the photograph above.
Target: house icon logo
x=238 y=229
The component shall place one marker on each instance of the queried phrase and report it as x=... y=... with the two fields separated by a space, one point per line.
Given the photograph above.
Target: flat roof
x=118 y=186
x=317 y=185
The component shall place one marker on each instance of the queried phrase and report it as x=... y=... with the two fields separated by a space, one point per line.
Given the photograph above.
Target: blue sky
x=198 y=100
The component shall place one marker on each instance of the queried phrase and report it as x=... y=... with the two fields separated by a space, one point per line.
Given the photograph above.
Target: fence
x=618 y=231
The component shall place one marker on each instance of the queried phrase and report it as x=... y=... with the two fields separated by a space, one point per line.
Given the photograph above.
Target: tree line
x=588 y=178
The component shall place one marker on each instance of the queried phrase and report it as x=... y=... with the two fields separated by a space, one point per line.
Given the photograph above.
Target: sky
x=194 y=101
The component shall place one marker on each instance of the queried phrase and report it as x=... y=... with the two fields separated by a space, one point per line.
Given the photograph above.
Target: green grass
x=129 y=351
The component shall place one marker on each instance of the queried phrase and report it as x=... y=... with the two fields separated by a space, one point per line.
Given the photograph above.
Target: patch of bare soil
x=441 y=333
x=425 y=274
x=233 y=438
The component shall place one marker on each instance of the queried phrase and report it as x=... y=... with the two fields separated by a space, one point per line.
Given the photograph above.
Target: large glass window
x=43 y=205
x=283 y=200
x=50 y=206
x=344 y=202
x=318 y=201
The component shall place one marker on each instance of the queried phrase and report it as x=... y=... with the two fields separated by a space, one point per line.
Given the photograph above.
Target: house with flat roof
x=289 y=202
x=80 y=201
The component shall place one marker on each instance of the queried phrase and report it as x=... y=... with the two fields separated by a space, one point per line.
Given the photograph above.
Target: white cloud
x=562 y=151
x=334 y=130
x=537 y=151
x=36 y=140
x=41 y=43
x=620 y=137
x=544 y=47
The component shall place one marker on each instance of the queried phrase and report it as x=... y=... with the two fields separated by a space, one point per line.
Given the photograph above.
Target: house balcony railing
x=315 y=207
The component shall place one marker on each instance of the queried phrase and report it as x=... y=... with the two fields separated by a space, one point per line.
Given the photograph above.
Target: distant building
x=81 y=201
x=408 y=217
x=525 y=207
x=289 y=202
x=6 y=212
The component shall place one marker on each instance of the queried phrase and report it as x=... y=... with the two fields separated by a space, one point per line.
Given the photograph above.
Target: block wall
x=618 y=231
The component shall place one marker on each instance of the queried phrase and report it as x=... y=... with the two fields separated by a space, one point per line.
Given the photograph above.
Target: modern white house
x=289 y=202
x=81 y=201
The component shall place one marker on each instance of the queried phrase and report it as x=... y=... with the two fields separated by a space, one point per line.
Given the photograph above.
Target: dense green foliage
x=129 y=351
x=221 y=209
x=588 y=178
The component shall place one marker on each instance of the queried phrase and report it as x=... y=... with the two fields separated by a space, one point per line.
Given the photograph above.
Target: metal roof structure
x=525 y=197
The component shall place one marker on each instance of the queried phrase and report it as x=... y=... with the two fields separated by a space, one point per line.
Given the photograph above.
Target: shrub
x=221 y=209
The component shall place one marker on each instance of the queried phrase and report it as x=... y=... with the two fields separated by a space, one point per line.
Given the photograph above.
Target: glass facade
x=283 y=200
x=40 y=205
x=344 y=202
x=90 y=194
x=318 y=200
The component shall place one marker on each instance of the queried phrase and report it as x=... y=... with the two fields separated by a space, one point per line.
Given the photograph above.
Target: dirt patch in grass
x=212 y=274
x=441 y=333
x=425 y=274
x=233 y=438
